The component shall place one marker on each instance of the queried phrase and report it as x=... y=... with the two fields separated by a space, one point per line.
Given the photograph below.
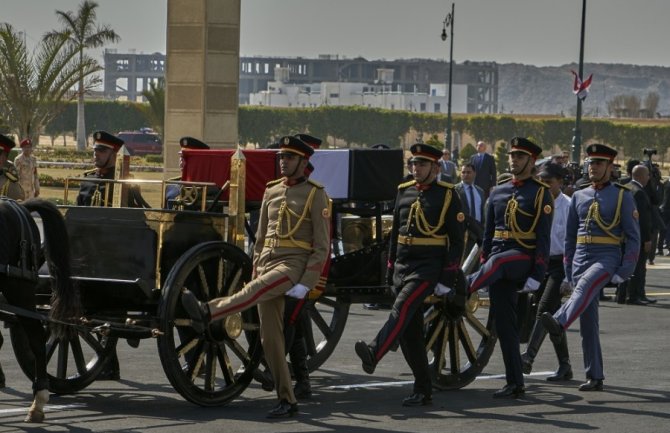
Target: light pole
x=577 y=132
x=449 y=22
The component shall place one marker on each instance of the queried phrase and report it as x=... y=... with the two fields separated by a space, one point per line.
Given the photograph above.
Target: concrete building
x=126 y=75
x=383 y=92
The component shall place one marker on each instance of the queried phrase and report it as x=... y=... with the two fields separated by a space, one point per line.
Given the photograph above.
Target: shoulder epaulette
x=274 y=182
x=407 y=184
x=445 y=184
x=504 y=181
x=315 y=183
x=624 y=186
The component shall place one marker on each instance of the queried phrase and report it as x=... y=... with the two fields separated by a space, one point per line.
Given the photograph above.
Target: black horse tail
x=65 y=300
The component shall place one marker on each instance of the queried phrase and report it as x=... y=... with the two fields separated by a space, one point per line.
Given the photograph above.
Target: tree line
x=363 y=127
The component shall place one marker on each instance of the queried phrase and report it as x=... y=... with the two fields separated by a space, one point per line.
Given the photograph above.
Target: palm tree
x=34 y=88
x=155 y=95
x=83 y=33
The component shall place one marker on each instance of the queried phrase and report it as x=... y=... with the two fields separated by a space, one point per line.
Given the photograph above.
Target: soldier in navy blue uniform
x=602 y=218
x=515 y=252
x=426 y=246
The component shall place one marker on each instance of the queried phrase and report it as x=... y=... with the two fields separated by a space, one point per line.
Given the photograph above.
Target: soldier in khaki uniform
x=26 y=167
x=292 y=245
x=9 y=186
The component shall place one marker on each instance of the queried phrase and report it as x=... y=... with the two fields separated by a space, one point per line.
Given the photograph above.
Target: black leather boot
x=564 y=371
x=298 y=356
x=536 y=338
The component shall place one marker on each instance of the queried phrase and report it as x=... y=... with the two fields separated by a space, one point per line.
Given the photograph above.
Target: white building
x=381 y=94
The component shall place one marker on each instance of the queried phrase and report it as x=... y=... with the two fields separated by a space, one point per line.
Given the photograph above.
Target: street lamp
x=449 y=22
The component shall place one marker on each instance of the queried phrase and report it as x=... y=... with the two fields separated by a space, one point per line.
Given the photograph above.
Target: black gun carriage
x=132 y=264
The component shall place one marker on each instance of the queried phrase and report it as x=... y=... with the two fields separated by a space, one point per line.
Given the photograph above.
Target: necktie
x=473 y=209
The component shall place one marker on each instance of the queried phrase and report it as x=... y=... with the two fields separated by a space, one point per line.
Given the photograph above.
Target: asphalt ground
x=636 y=397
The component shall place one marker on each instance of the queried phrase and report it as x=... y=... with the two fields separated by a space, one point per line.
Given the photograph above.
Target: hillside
x=548 y=90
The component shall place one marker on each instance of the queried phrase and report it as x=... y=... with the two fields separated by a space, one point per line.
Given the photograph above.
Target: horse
x=20 y=258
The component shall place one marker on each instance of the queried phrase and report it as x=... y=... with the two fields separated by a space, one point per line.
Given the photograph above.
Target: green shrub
x=154 y=159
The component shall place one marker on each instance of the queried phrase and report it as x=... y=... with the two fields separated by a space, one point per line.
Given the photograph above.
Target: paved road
x=637 y=395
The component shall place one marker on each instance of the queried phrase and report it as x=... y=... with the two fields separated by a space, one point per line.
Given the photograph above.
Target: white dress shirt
x=561 y=209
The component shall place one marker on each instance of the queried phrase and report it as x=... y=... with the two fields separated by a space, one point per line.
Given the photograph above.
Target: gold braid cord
x=416 y=212
x=96 y=198
x=284 y=209
x=594 y=215
x=511 y=222
x=5 y=188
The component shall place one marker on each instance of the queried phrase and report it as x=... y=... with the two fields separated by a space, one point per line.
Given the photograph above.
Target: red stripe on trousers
x=296 y=311
x=582 y=307
x=251 y=300
x=496 y=265
x=401 y=319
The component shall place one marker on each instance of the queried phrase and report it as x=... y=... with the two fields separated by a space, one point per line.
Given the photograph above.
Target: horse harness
x=26 y=269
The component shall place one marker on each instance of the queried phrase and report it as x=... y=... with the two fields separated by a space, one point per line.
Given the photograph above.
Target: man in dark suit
x=485 y=168
x=632 y=291
x=472 y=196
x=473 y=200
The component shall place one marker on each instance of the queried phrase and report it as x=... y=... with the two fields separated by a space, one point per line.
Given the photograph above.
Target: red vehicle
x=142 y=142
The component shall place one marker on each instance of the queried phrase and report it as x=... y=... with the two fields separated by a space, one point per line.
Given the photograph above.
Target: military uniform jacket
x=615 y=208
x=26 y=168
x=293 y=234
x=88 y=189
x=420 y=213
x=521 y=207
x=9 y=185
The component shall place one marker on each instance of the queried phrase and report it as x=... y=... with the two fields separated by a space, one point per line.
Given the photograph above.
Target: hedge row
x=361 y=126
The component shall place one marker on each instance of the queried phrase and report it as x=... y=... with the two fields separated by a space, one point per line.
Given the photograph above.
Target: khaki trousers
x=267 y=291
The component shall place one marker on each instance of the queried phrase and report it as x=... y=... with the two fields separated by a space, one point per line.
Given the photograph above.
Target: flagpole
x=577 y=132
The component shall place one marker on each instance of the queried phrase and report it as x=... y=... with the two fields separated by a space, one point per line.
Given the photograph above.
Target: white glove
x=566 y=287
x=298 y=291
x=531 y=285
x=441 y=289
x=616 y=279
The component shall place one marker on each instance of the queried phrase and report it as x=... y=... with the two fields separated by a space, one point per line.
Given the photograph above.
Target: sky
x=534 y=32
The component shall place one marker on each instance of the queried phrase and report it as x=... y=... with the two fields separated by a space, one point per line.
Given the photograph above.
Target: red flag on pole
x=581 y=88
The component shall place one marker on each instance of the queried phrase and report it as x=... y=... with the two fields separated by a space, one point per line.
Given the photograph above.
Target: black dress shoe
x=510 y=391
x=265 y=379
x=551 y=324
x=649 y=300
x=367 y=356
x=197 y=311
x=592 y=385
x=564 y=372
x=284 y=410
x=302 y=389
x=635 y=302
x=417 y=399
